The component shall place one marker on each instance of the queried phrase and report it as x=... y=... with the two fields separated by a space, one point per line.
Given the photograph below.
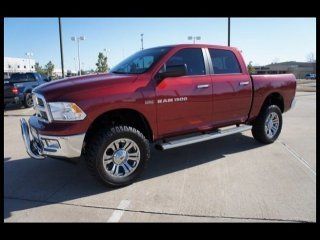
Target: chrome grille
x=41 y=107
x=40 y=102
x=43 y=114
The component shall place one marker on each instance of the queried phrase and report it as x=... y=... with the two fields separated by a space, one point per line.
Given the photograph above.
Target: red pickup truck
x=168 y=96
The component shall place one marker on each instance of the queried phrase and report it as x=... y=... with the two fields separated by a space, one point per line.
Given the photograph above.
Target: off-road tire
x=258 y=127
x=97 y=144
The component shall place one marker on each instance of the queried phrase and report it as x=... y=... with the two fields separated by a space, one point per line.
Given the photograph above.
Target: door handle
x=244 y=83
x=203 y=86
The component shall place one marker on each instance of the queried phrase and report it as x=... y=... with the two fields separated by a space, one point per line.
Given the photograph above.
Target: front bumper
x=39 y=146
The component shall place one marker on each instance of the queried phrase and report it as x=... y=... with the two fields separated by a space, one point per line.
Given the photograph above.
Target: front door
x=184 y=104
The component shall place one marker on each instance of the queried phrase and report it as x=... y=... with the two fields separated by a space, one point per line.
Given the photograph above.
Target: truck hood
x=58 y=88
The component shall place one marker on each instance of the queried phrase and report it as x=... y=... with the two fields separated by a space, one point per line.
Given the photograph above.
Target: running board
x=202 y=138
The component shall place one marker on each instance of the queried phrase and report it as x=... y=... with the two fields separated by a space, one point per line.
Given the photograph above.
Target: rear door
x=232 y=88
x=185 y=103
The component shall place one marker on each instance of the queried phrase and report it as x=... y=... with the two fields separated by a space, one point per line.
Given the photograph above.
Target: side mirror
x=173 y=71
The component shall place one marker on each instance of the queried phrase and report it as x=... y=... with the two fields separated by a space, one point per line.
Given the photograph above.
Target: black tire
x=28 y=102
x=97 y=145
x=258 y=127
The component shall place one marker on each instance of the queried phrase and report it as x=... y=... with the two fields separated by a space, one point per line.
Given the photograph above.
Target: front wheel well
x=126 y=117
x=28 y=91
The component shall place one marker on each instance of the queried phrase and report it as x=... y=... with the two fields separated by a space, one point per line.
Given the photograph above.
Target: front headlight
x=65 y=111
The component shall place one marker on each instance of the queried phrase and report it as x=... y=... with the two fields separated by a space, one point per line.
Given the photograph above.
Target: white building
x=14 y=65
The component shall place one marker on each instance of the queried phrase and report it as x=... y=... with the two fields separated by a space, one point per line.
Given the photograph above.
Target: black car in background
x=18 y=88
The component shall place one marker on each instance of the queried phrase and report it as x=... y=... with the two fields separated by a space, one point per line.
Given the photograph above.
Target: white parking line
x=297 y=156
x=117 y=214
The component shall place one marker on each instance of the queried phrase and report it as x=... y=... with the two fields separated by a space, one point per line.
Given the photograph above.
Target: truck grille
x=40 y=107
x=43 y=115
x=40 y=102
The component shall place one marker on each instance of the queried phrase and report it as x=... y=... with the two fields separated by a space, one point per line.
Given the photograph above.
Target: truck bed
x=264 y=85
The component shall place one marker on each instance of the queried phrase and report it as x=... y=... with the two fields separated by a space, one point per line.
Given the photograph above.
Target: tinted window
x=31 y=77
x=141 y=61
x=193 y=59
x=18 y=77
x=38 y=76
x=45 y=78
x=224 y=61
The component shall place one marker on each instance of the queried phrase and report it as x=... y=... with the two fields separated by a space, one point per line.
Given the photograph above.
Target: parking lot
x=231 y=179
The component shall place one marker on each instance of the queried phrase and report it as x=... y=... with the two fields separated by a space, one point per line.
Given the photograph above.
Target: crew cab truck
x=168 y=96
x=18 y=88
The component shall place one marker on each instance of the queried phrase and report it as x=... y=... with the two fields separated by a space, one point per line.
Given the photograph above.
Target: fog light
x=51 y=143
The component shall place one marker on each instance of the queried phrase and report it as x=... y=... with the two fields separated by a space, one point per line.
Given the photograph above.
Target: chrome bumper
x=39 y=146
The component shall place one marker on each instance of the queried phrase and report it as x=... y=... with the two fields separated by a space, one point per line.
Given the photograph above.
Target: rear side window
x=224 y=61
x=38 y=76
x=44 y=77
x=193 y=59
x=31 y=77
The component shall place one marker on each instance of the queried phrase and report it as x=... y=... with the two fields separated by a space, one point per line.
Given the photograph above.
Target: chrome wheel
x=121 y=157
x=272 y=125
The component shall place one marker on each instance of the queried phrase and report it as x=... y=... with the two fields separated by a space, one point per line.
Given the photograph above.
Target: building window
x=25 y=67
x=9 y=66
x=18 y=66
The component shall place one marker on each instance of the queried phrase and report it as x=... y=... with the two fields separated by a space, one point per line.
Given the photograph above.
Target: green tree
x=251 y=69
x=49 y=68
x=39 y=69
x=102 y=65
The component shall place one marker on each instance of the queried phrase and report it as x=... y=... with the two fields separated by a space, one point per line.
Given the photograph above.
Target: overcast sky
x=262 y=40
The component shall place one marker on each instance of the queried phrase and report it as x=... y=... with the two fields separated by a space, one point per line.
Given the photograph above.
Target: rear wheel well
x=127 y=117
x=273 y=99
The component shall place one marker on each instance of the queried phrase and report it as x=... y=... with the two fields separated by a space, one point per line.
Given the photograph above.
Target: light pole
x=75 y=64
x=61 y=49
x=141 y=35
x=82 y=65
x=194 y=38
x=78 y=39
x=229 y=31
x=29 y=54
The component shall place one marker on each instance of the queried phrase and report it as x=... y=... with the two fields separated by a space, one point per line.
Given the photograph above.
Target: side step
x=202 y=138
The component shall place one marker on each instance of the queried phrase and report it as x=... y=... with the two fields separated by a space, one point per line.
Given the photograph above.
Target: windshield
x=141 y=61
x=22 y=77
